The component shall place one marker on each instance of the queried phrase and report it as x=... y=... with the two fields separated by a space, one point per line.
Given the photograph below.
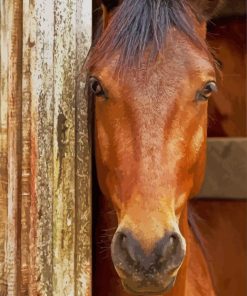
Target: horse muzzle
x=151 y=273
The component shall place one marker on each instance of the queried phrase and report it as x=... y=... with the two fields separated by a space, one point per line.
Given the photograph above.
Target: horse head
x=151 y=76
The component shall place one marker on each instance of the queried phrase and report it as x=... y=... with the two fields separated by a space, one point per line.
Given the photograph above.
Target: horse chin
x=148 y=291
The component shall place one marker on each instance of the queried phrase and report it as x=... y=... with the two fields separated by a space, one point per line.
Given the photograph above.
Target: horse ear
x=206 y=9
x=107 y=8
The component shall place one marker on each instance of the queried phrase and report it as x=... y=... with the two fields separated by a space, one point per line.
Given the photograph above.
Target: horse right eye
x=207 y=90
x=96 y=87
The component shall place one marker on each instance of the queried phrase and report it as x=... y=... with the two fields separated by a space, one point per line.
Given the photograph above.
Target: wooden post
x=45 y=169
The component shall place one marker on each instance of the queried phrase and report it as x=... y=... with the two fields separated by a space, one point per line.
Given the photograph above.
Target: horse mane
x=141 y=24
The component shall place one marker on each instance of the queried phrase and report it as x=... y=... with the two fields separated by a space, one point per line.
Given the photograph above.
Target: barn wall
x=45 y=185
x=226 y=169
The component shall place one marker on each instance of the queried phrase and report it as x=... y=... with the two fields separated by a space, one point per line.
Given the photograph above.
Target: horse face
x=150 y=132
x=150 y=135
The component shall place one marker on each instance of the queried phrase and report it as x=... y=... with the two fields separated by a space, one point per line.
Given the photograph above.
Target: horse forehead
x=176 y=63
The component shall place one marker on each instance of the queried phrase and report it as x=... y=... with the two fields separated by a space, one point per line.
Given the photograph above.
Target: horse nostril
x=173 y=242
x=126 y=247
x=171 y=251
x=122 y=240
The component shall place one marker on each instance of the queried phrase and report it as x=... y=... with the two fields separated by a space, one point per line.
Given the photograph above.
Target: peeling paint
x=46 y=185
x=61 y=140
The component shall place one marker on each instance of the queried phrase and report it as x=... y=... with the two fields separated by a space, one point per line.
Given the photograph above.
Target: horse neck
x=193 y=278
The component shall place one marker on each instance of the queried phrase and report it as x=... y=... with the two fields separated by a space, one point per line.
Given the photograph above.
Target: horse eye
x=206 y=92
x=96 y=87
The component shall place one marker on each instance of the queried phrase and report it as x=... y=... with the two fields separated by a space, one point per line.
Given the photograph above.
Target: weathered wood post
x=45 y=173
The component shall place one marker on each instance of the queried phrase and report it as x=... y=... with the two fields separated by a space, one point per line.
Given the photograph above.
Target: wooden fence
x=45 y=218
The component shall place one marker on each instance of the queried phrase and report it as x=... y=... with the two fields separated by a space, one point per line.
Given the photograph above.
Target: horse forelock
x=141 y=24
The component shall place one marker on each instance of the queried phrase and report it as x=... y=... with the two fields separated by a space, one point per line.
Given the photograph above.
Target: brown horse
x=151 y=75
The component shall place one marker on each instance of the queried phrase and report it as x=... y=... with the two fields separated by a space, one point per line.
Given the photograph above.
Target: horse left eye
x=96 y=87
x=206 y=92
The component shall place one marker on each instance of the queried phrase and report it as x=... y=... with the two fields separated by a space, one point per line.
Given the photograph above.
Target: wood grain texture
x=14 y=148
x=83 y=215
x=3 y=146
x=64 y=148
x=43 y=135
x=45 y=216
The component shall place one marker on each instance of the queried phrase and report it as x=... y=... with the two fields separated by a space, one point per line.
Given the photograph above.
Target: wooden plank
x=42 y=134
x=226 y=172
x=83 y=215
x=26 y=152
x=28 y=200
x=3 y=145
x=59 y=56
x=64 y=148
x=14 y=146
x=31 y=31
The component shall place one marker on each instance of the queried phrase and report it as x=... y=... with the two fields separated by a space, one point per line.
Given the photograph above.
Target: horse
x=151 y=75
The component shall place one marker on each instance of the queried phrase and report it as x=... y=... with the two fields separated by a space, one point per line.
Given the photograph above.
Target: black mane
x=137 y=24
